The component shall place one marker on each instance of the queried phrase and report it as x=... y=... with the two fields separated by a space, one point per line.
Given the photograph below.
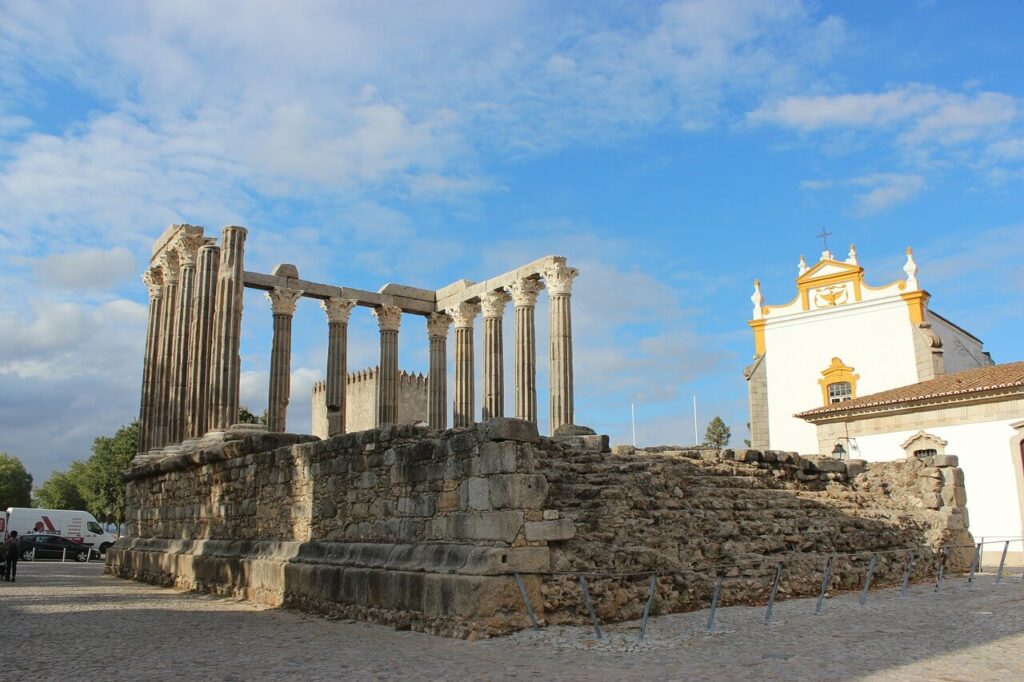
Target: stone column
x=199 y=342
x=524 y=299
x=389 y=318
x=283 y=303
x=161 y=405
x=463 y=316
x=493 y=306
x=186 y=247
x=225 y=368
x=437 y=382
x=559 y=282
x=154 y=284
x=338 y=310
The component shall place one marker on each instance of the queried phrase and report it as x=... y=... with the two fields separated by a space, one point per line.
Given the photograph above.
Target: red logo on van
x=39 y=527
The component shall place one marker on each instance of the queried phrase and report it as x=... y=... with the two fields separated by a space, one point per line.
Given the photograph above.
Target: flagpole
x=632 y=410
x=696 y=438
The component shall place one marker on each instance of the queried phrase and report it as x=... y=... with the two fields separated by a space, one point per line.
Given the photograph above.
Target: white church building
x=870 y=372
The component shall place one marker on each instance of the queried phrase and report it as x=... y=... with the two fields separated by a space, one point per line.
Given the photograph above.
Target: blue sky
x=672 y=151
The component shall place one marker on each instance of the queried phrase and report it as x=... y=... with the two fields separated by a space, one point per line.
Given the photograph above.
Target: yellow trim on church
x=758 y=327
x=917 y=304
x=809 y=280
x=835 y=373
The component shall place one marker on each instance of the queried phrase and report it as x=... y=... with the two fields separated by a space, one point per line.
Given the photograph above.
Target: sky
x=673 y=152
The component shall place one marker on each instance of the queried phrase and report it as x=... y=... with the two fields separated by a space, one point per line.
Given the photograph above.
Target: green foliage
x=63 y=490
x=15 y=483
x=247 y=417
x=717 y=435
x=95 y=484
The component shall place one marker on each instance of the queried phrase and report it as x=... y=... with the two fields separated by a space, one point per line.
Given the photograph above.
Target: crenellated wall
x=423 y=528
x=361 y=400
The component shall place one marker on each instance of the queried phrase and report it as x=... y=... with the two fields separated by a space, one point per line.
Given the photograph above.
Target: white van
x=80 y=526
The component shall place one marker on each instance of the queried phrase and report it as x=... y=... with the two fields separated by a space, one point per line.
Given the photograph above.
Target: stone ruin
x=423 y=527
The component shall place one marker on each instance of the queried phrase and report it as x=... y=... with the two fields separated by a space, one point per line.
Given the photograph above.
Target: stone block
x=570 y=430
x=498 y=457
x=945 y=460
x=623 y=449
x=562 y=529
x=518 y=491
x=952 y=475
x=475 y=493
x=829 y=465
x=502 y=560
x=931 y=500
x=954 y=496
x=506 y=428
x=493 y=525
x=748 y=455
x=856 y=467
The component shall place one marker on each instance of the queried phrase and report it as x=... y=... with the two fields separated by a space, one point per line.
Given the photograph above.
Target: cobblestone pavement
x=89 y=626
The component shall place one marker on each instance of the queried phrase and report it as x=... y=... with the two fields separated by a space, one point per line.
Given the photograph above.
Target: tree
x=717 y=435
x=63 y=490
x=102 y=486
x=247 y=417
x=15 y=483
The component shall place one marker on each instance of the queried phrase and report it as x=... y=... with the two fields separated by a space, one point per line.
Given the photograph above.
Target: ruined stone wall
x=401 y=525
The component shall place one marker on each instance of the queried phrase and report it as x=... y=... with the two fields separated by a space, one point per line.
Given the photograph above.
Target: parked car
x=51 y=547
x=80 y=526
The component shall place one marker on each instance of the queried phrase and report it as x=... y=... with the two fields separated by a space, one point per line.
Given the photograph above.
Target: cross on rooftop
x=825 y=234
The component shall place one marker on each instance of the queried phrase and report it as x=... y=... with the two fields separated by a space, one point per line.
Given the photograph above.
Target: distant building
x=361 y=401
x=840 y=338
x=976 y=414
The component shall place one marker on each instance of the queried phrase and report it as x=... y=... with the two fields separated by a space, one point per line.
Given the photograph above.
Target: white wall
x=874 y=337
x=993 y=497
x=960 y=351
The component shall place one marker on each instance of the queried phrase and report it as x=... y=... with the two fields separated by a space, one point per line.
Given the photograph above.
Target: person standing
x=11 y=557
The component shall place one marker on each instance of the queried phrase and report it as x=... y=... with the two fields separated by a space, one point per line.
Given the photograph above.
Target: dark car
x=51 y=547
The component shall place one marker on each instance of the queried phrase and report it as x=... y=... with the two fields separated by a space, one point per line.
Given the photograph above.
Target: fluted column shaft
x=559 y=282
x=154 y=284
x=225 y=368
x=493 y=306
x=524 y=297
x=464 y=412
x=283 y=302
x=198 y=390
x=437 y=381
x=338 y=310
x=164 y=370
x=179 y=355
x=388 y=320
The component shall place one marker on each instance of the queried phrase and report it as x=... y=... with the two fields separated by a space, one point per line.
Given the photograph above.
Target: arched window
x=923 y=444
x=840 y=391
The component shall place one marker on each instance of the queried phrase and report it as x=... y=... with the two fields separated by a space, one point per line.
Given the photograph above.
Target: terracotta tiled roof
x=988 y=378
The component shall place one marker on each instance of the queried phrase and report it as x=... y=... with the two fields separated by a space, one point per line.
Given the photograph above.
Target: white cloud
x=86 y=269
x=884 y=190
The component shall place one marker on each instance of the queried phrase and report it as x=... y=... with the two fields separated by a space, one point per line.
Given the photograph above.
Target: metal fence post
x=974 y=565
x=867 y=580
x=942 y=568
x=526 y=600
x=906 y=576
x=64 y=555
x=824 y=584
x=771 y=595
x=710 y=627
x=647 y=607
x=590 y=605
x=1002 y=560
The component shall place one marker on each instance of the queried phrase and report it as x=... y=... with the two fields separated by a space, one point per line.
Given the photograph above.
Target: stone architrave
x=493 y=306
x=559 y=279
x=389 y=318
x=338 y=311
x=463 y=316
x=524 y=298
x=282 y=301
x=199 y=343
x=168 y=263
x=186 y=246
x=437 y=382
x=225 y=368
x=153 y=280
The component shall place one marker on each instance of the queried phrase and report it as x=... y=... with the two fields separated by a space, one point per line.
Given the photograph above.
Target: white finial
x=757 y=299
x=802 y=265
x=911 y=269
x=851 y=258
x=826 y=255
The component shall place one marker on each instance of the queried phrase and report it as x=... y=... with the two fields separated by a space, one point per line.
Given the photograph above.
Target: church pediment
x=830 y=270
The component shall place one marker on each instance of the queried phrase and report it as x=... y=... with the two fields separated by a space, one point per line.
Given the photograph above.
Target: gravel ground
x=68 y=620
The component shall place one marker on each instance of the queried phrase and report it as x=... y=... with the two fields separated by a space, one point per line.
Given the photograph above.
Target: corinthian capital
x=437 y=325
x=493 y=303
x=463 y=314
x=559 y=278
x=389 y=317
x=154 y=281
x=283 y=300
x=337 y=309
x=524 y=292
x=168 y=264
x=186 y=245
